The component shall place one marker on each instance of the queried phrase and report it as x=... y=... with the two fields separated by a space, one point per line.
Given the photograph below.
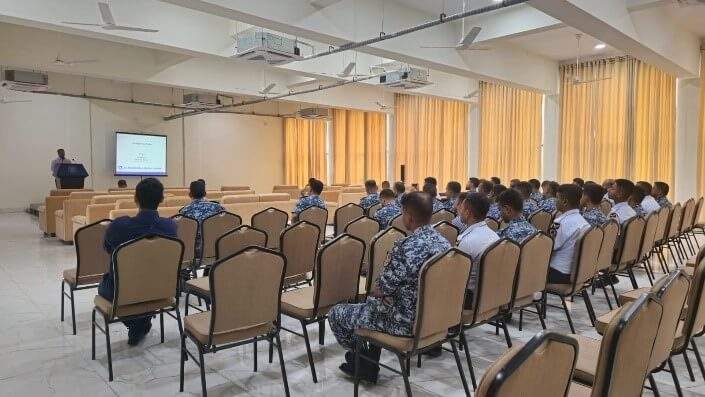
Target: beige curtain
x=304 y=150
x=431 y=138
x=359 y=146
x=701 y=135
x=510 y=132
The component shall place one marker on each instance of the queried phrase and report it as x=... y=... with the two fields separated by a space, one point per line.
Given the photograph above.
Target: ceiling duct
x=18 y=80
x=314 y=114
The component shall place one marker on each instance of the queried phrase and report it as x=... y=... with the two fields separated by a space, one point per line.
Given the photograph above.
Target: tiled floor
x=40 y=357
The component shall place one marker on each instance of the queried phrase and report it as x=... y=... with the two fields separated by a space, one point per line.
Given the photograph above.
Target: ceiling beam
x=520 y=20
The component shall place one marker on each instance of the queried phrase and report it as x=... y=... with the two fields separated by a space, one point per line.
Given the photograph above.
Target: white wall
x=686 y=154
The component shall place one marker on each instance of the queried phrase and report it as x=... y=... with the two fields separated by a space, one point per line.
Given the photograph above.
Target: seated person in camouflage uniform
x=494 y=207
x=590 y=204
x=311 y=199
x=431 y=190
x=529 y=206
x=485 y=188
x=199 y=209
x=372 y=197
x=550 y=190
x=472 y=185
x=386 y=185
x=535 y=193
x=458 y=221
x=453 y=189
x=399 y=190
x=510 y=208
x=660 y=191
x=390 y=208
x=391 y=305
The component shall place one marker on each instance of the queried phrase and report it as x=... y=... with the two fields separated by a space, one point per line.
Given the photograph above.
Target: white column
x=474 y=142
x=549 y=138
x=390 y=152
x=686 y=150
x=329 y=156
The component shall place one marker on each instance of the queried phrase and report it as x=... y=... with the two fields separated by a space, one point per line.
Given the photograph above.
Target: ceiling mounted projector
x=407 y=78
x=259 y=46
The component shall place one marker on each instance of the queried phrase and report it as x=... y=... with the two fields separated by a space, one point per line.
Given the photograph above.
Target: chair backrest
x=546 y=363
x=626 y=347
x=215 y=226
x=229 y=188
x=447 y=230
x=110 y=198
x=663 y=216
x=398 y=223
x=492 y=224
x=344 y=215
x=186 y=230
x=337 y=272
x=299 y=243
x=495 y=283
x=441 y=215
x=176 y=201
x=694 y=319
x=239 y=198
x=91 y=257
x=273 y=221
x=123 y=204
x=365 y=229
x=675 y=220
x=247 y=285
x=273 y=197
x=541 y=220
x=146 y=270
x=441 y=292
x=373 y=210
x=605 y=207
x=610 y=232
x=238 y=239
x=671 y=290
x=380 y=247
x=534 y=258
x=698 y=210
x=317 y=216
x=647 y=242
x=688 y=211
x=587 y=252
x=630 y=242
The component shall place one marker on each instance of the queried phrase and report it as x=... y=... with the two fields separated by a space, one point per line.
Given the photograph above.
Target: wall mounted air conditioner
x=406 y=78
x=19 y=80
x=201 y=101
x=259 y=46
x=314 y=113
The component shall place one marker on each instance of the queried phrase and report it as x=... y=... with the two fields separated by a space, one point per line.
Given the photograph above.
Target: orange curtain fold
x=510 y=132
x=304 y=150
x=701 y=134
x=358 y=146
x=431 y=138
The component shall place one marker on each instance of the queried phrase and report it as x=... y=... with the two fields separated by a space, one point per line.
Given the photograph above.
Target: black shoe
x=148 y=326
x=434 y=353
x=368 y=372
x=134 y=335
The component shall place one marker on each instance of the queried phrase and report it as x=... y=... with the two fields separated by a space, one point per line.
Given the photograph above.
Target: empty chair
x=336 y=276
x=365 y=229
x=344 y=215
x=541 y=220
x=492 y=224
x=398 y=223
x=273 y=221
x=647 y=245
x=213 y=227
x=299 y=243
x=92 y=262
x=186 y=231
x=441 y=291
x=447 y=230
x=545 y=363
x=534 y=258
x=628 y=247
x=146 y=272
x=685 y=224
x=672 y=232
x=610 y=232
x=442 y=215
x=380 y=247
x=373 y=210
x=661 y=237
x=316 y=216
x=246 y=290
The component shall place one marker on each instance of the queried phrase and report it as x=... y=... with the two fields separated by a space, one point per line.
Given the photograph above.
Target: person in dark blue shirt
x=148 y=194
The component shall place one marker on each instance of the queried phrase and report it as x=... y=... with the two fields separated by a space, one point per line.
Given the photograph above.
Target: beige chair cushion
x=70 y=277
x=106 y=307
x=362 y=289
x=631 y=296
x=690 y=262
x=199 y=286
x=578 y=390
x=399 y=343
x=269 y=197
x=588 y=353
x=240 y=198
x=298 y=303
x=604 y=320
x=688 y=270
x=198 y=325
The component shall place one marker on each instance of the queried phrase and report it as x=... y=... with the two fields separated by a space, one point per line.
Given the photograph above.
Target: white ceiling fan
x=5 y=101
x=268 y=89
x=472 y=94
x=574 y=78
x=64 y=62
x=465 y=42
x=109 y=22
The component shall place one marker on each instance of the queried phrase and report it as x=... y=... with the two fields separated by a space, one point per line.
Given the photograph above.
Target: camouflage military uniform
x=530 y=207
x=309 y=201
x=517 y=230
x=663 y=202
x=450 y=204
x=457 y=222
x=537 y=196
x=595 y=217
x=548 y=204
x=493 y=212
x=369 y=200
x=639 y=210
x=437 y=205
x=200 y=209
x=384 y=215
x=393 y=314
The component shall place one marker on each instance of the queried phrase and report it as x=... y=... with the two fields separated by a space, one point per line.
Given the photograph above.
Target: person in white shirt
x=649 y=203
x=60 y=159
x=566 y=230
x=620 y=192
x=607 y=185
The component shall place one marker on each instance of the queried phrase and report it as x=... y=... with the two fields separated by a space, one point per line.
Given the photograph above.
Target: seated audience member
x=199 y=208
x=510 y=206
x=606 y=186
x=660 y=191
x=452 y=192
x=385 y=185
x=122 y=184
x=312 y=199
x=635 y=200
x=399 y=191
x=391 y=305
x=485 y=188
x=580 y=182
x=390 y=208
x=430 y=189
x=149 y=193
x=649 y=203
x=431 y=180
x=477 y=236
x=529 y=206
x=549 y=200
x=535 y=193
x=495 y=180
x=514 y=183
x=458 y=221
x=472 y=185
x=590 y=204
x=566 y=230
x=494 y=212
x=620 y=191
x=372 y=197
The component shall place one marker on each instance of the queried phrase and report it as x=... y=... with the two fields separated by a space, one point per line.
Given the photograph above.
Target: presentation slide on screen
x=143 y=155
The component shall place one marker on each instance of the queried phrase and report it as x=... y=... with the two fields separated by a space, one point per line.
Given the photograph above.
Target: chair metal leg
x=630 y=272
x=607 y=297
x=614 y=294
x=161 y=326
x=652 y=384
x=271 y=350
x=521 y=318
x=62 y=299
x=107 y=346
x=202 y=362
x=418 y=361
x=453 y=344
x=676 y=383
x=697 y=357
x=567 y=314
x=254 y=354
x=73 y=312
x=588 y=305
x=506 y=334
x=464 y=343
x=186 y=303
x=183 y=362
x=283 y=367
x=538 y=311
x=405 y=373
x=358 y=346
x=93 y=334
x=308 y=352
x=321 y=332
x=687 y=364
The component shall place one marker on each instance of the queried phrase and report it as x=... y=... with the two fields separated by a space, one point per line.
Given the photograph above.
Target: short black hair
x=431 y=180
x=122 y=183
x=386 y=193
x=625 y=185
x=370 y=183
x=399 y=187
x=462 y=196
x=497 y=189
x=579 y=181
x=430 y=189
x=571 y=193
x=637 y=195
x=385 y=183
x=197 y=189
x=59 y=150
x=316 y=185
x=663 y=187
x=524 y=188
x=474 y=181
x=496 y=180
x=645 y=186
x=454 y=187
x=478 y=204
x=535 y=183
x=511 y=198
x=419 y=205
x=485 y=187
x=149 y=193
x=594 y=193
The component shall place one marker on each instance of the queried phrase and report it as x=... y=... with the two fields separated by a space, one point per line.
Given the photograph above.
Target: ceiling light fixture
x=600 y=46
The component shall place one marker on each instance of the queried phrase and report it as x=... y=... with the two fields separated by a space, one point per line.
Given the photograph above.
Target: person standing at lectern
x=61 y=159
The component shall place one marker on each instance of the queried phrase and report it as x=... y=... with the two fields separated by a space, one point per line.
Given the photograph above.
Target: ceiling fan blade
x=129 y=28
x=82 y=24
x=465 y=48
x=348 y=69
x=268 y=88
x=79 y=61
x=438 y=46
x=105 y=14
x=470 y=36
